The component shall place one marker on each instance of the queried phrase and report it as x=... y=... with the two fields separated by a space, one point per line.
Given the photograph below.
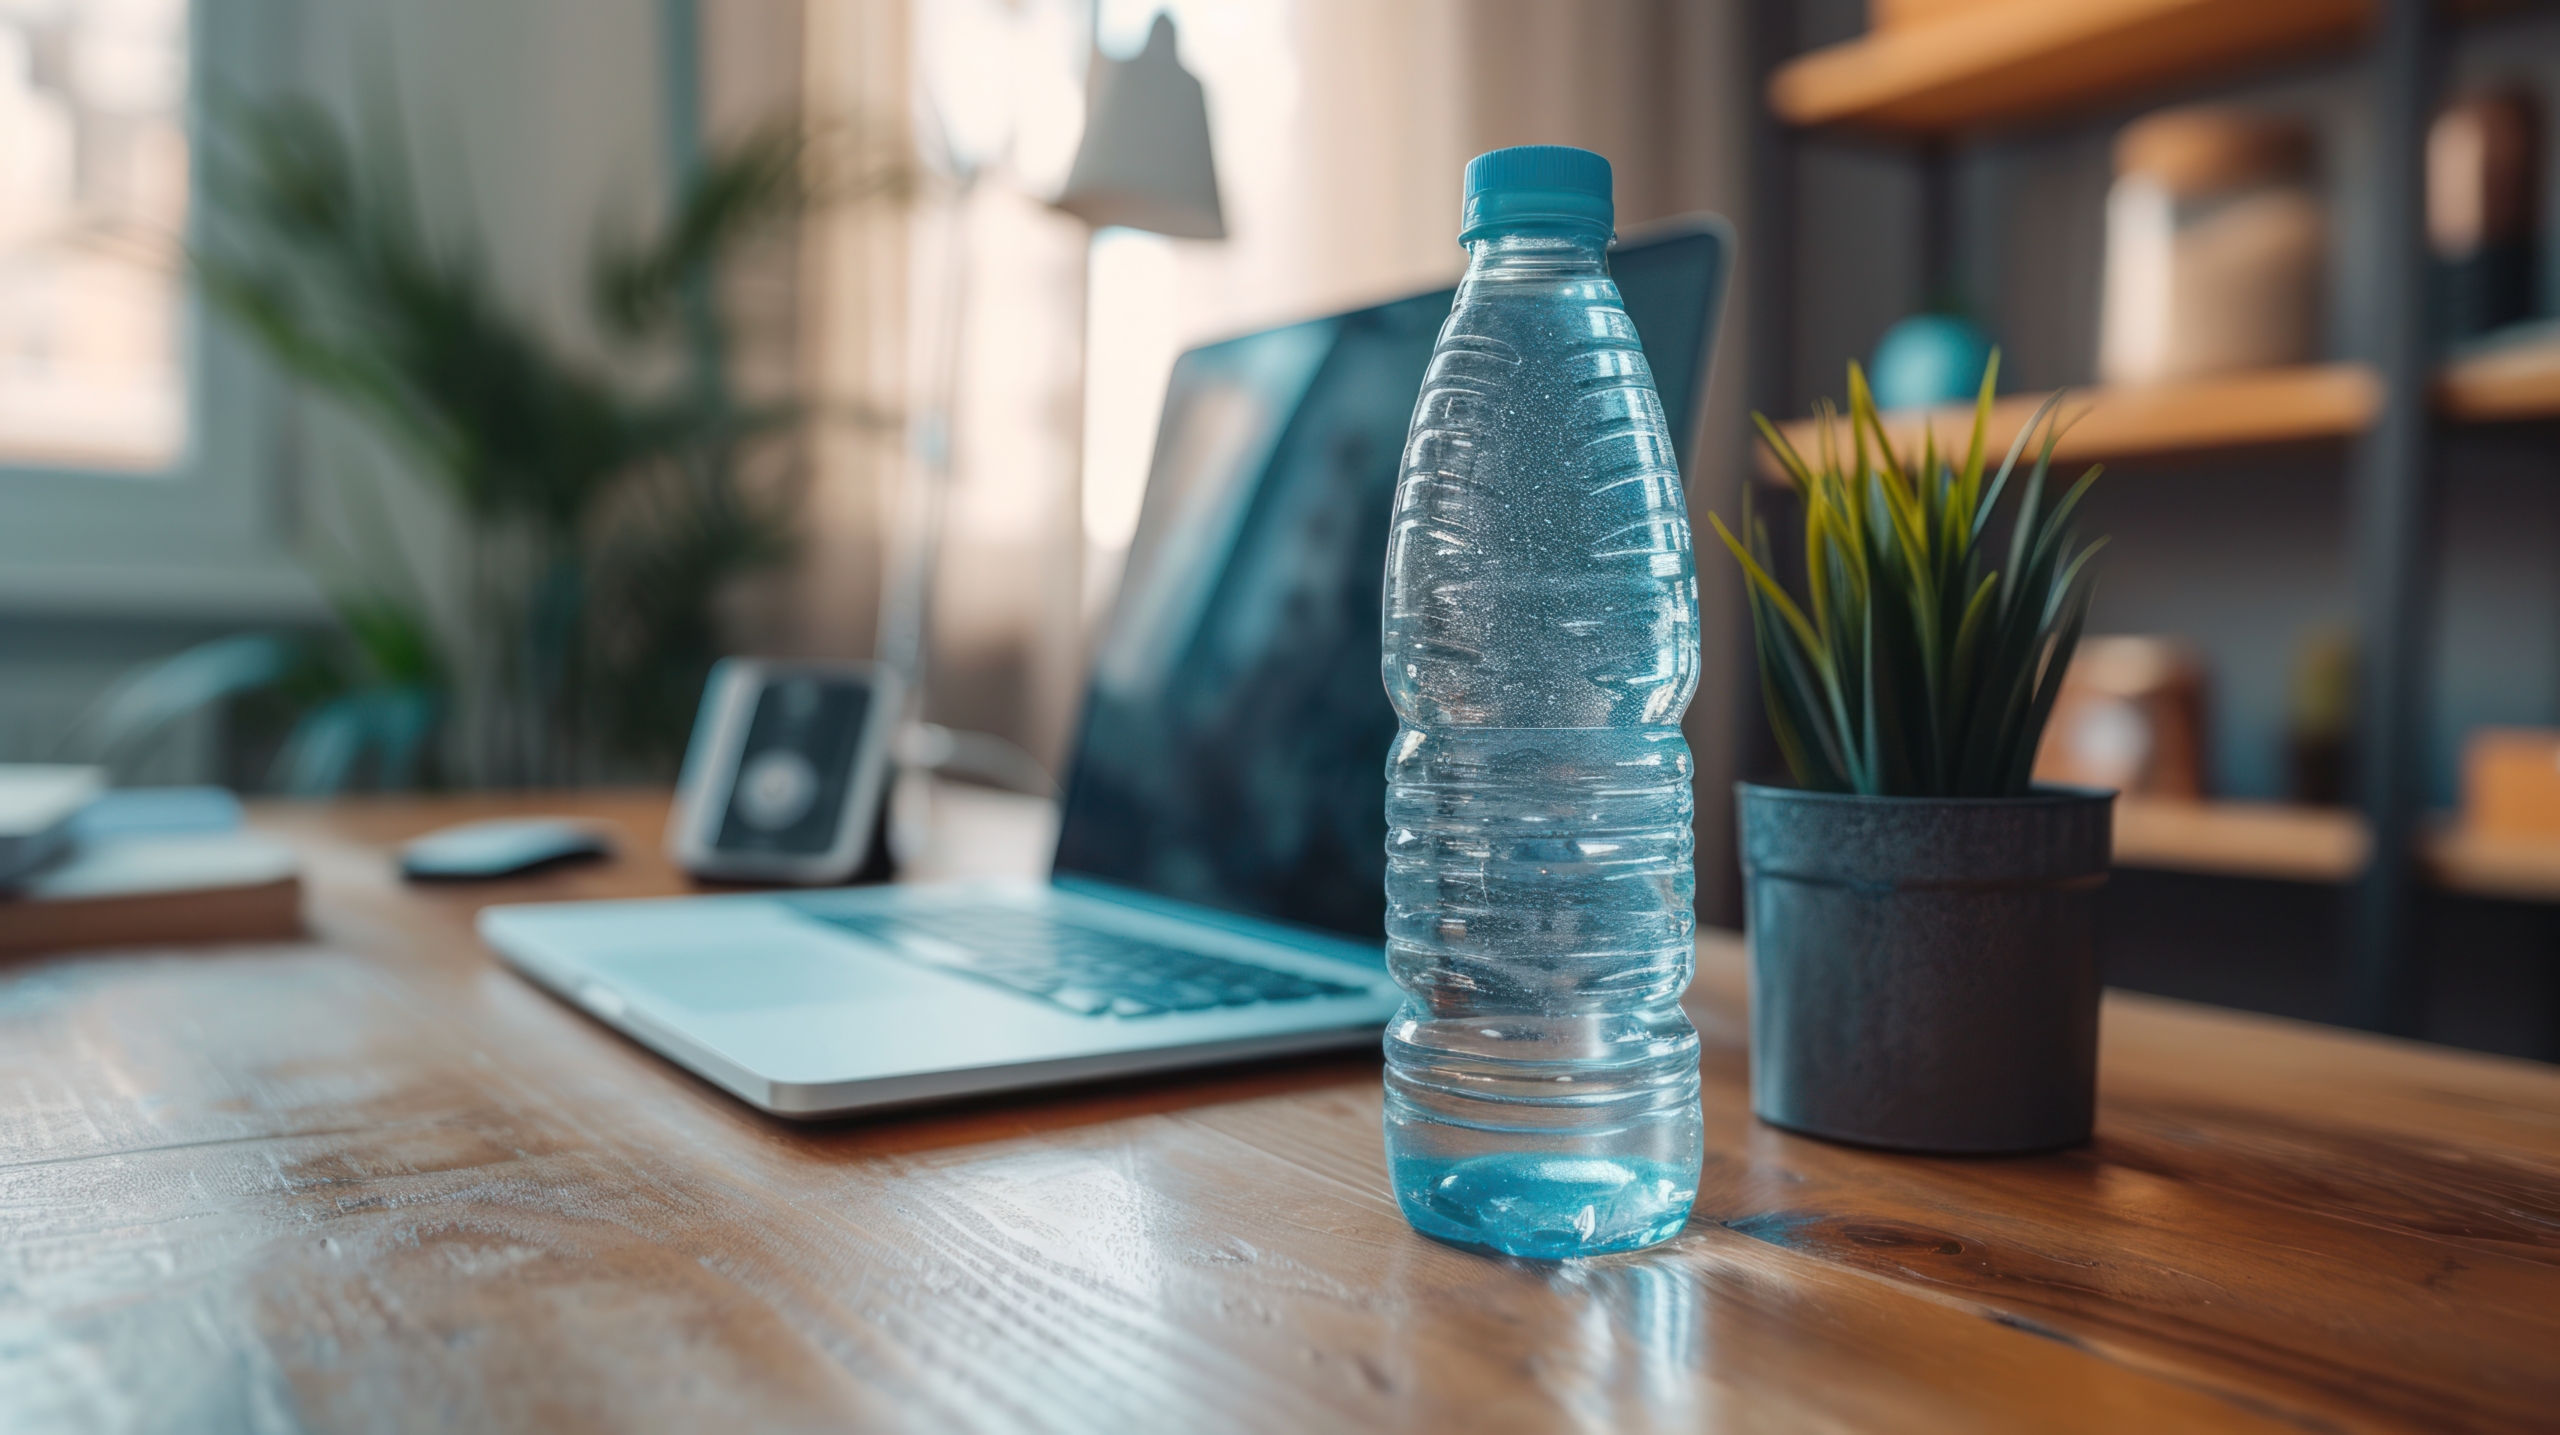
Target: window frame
x=210 y=536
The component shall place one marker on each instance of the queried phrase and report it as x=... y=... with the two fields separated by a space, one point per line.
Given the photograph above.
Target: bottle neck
x=1543 y=251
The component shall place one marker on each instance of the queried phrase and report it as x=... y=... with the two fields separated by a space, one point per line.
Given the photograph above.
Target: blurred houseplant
x=1924 y=959
x=607 y=513
x=360 y=704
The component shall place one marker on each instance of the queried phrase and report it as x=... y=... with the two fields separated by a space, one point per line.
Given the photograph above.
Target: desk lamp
x=1145 y=160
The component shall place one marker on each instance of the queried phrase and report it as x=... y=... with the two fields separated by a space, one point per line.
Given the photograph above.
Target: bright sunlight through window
x=1131 y=340
x=93 y=205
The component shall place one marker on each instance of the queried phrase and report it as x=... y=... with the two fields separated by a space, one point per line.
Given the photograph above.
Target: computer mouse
x=503 y=847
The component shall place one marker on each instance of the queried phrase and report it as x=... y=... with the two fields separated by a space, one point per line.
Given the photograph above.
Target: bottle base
x=1545 y=1206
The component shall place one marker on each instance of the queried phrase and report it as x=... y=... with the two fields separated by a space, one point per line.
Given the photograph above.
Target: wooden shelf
x=2518 y=383
x=2321 y=844
x=2240 y=839
x=2324 y=401
x=2026 y=59
x=2521 y=869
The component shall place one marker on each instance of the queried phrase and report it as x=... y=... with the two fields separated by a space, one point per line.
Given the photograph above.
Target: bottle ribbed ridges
x=1539 y=644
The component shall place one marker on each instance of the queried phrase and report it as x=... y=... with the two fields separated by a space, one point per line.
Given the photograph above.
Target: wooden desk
x=376 y=1182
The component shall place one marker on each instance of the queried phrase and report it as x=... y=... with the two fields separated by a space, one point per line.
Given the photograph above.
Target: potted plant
x=612 y=503
x=1924 y=958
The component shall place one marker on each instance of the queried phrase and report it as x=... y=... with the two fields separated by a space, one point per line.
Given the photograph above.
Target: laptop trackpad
x=759 y=960
x=779 y=975
x=794 y=1002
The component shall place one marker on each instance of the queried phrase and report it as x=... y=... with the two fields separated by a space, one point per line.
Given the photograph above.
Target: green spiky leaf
x=1909 y=666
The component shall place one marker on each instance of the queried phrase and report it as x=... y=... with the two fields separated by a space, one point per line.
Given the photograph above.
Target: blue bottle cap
x=1537 y=189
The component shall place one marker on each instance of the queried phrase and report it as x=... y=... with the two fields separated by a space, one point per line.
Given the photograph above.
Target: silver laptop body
x=1217 y=884
x=813 y=1004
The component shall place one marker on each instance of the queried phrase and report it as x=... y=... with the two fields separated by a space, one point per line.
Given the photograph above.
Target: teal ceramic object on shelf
x=1929 y=359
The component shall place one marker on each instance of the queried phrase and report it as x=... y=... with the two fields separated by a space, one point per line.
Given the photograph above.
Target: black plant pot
x=1924 y=971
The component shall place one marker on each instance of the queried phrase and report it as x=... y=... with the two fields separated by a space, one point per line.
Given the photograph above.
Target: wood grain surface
x=373 y=1181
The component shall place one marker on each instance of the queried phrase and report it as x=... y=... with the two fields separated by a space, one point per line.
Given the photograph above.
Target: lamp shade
x=1145 y=160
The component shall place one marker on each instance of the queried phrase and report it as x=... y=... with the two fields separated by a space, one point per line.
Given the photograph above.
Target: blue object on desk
x=1929 y=359
x=475 y=851
x=157 y=812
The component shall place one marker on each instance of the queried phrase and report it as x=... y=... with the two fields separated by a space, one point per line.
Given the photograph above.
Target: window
x=146 y=456
x=93 y=207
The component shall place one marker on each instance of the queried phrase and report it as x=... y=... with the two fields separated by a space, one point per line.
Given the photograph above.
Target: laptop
x=1217 y=892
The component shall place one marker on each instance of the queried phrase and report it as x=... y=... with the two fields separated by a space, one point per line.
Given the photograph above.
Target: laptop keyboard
x=1085 y=971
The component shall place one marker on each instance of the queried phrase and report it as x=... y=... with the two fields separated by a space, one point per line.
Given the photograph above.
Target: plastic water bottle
x=1540 y=645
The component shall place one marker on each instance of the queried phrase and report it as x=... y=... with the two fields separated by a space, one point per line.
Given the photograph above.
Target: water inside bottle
x=1540 y=646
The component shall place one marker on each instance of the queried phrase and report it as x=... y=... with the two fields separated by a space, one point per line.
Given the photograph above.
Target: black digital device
x=784 y=776
x=1236 y=730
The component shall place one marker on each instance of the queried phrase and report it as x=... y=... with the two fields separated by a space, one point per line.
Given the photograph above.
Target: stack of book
x=82 y=866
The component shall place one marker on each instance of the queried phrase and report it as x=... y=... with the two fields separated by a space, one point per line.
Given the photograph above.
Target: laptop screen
x=1235 y=735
